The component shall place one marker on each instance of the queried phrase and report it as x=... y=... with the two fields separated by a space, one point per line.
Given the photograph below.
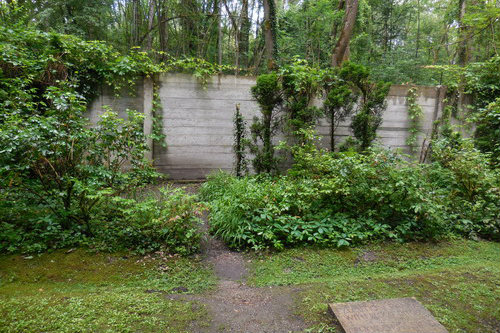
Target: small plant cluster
x=59 y=173
x=286 y=100
x=341 y=199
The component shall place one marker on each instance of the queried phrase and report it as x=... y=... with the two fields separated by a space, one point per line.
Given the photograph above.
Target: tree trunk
x=244 y=35
x=463 y=52
x=151 y=17
x=335 y=28
x=162 y=27
x=218 y=6
x=270 y=33
x=341 y=48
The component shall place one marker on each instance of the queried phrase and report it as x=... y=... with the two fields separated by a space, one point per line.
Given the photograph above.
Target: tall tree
x=244 y=34
x=162 y=25
x=151 y=17
x=270 y=32
x=463 y=45
x=341 y=51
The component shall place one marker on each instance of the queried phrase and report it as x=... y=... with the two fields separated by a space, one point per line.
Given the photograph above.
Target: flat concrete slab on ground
x=397 y=315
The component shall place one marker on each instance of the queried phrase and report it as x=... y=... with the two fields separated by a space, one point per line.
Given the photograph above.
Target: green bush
x=349 y=198
x=168 y=221
x=473 y=188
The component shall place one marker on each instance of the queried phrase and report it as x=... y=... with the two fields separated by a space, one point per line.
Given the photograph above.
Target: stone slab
x=397 y=315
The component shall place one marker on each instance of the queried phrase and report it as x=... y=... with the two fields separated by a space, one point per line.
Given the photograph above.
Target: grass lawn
x=458 y=281
x=85 y=292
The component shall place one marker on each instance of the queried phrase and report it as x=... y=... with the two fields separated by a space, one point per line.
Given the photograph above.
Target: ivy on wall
x=157 y=134
x=415 y=114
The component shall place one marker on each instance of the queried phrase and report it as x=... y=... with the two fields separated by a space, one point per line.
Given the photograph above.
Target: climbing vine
x=415 y=115
x=240 y=142
x=157 y=134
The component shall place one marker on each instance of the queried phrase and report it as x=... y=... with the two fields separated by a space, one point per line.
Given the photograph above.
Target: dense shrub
x=348 y=198
x=168 y=221
x=62 y=180
x=473 y=188
x=267 y=93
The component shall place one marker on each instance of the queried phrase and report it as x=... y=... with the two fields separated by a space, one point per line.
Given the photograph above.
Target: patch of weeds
x=321 y=328
x=306 y=265
x=102 y=311
x=86 y=292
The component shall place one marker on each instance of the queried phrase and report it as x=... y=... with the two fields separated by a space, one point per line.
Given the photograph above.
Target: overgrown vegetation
x=339 y=102
x=287 y=101
x=371 y=104
x=268 y=95
x=343 y=199
x=240 y=143
x=61 y=179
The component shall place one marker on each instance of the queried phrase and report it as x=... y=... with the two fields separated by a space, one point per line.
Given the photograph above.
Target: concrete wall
x=198 y=121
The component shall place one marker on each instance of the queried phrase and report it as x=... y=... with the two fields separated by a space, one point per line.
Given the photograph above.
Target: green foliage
x=157 y=133
x=473 y=187
x=68 y=165
x=336 y=201
x=58 y=172
x=339 y=103
x=32 y=61
x=240 y=142
x=349 y=198
x=415 y=114
x=483 y=83
x=267 y=93
x=487 y=136
x=371 y=104
x=167 y=222
x=301 y=83
x=201 y=69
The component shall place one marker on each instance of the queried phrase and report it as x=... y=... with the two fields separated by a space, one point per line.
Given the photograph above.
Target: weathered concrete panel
x=198 y=121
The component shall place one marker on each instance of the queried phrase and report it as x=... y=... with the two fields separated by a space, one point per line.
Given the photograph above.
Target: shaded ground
x=458 y=281
x=224 y=291
x=236 y=307
x=79 y=291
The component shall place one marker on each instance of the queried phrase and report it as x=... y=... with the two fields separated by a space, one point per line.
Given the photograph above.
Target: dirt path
x=235 y=307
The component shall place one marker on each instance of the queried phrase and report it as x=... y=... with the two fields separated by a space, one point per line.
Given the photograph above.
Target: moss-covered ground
x=458 y=281
x=88 y=292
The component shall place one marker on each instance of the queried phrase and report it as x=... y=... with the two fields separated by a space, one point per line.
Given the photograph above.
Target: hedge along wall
x=198 y=120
